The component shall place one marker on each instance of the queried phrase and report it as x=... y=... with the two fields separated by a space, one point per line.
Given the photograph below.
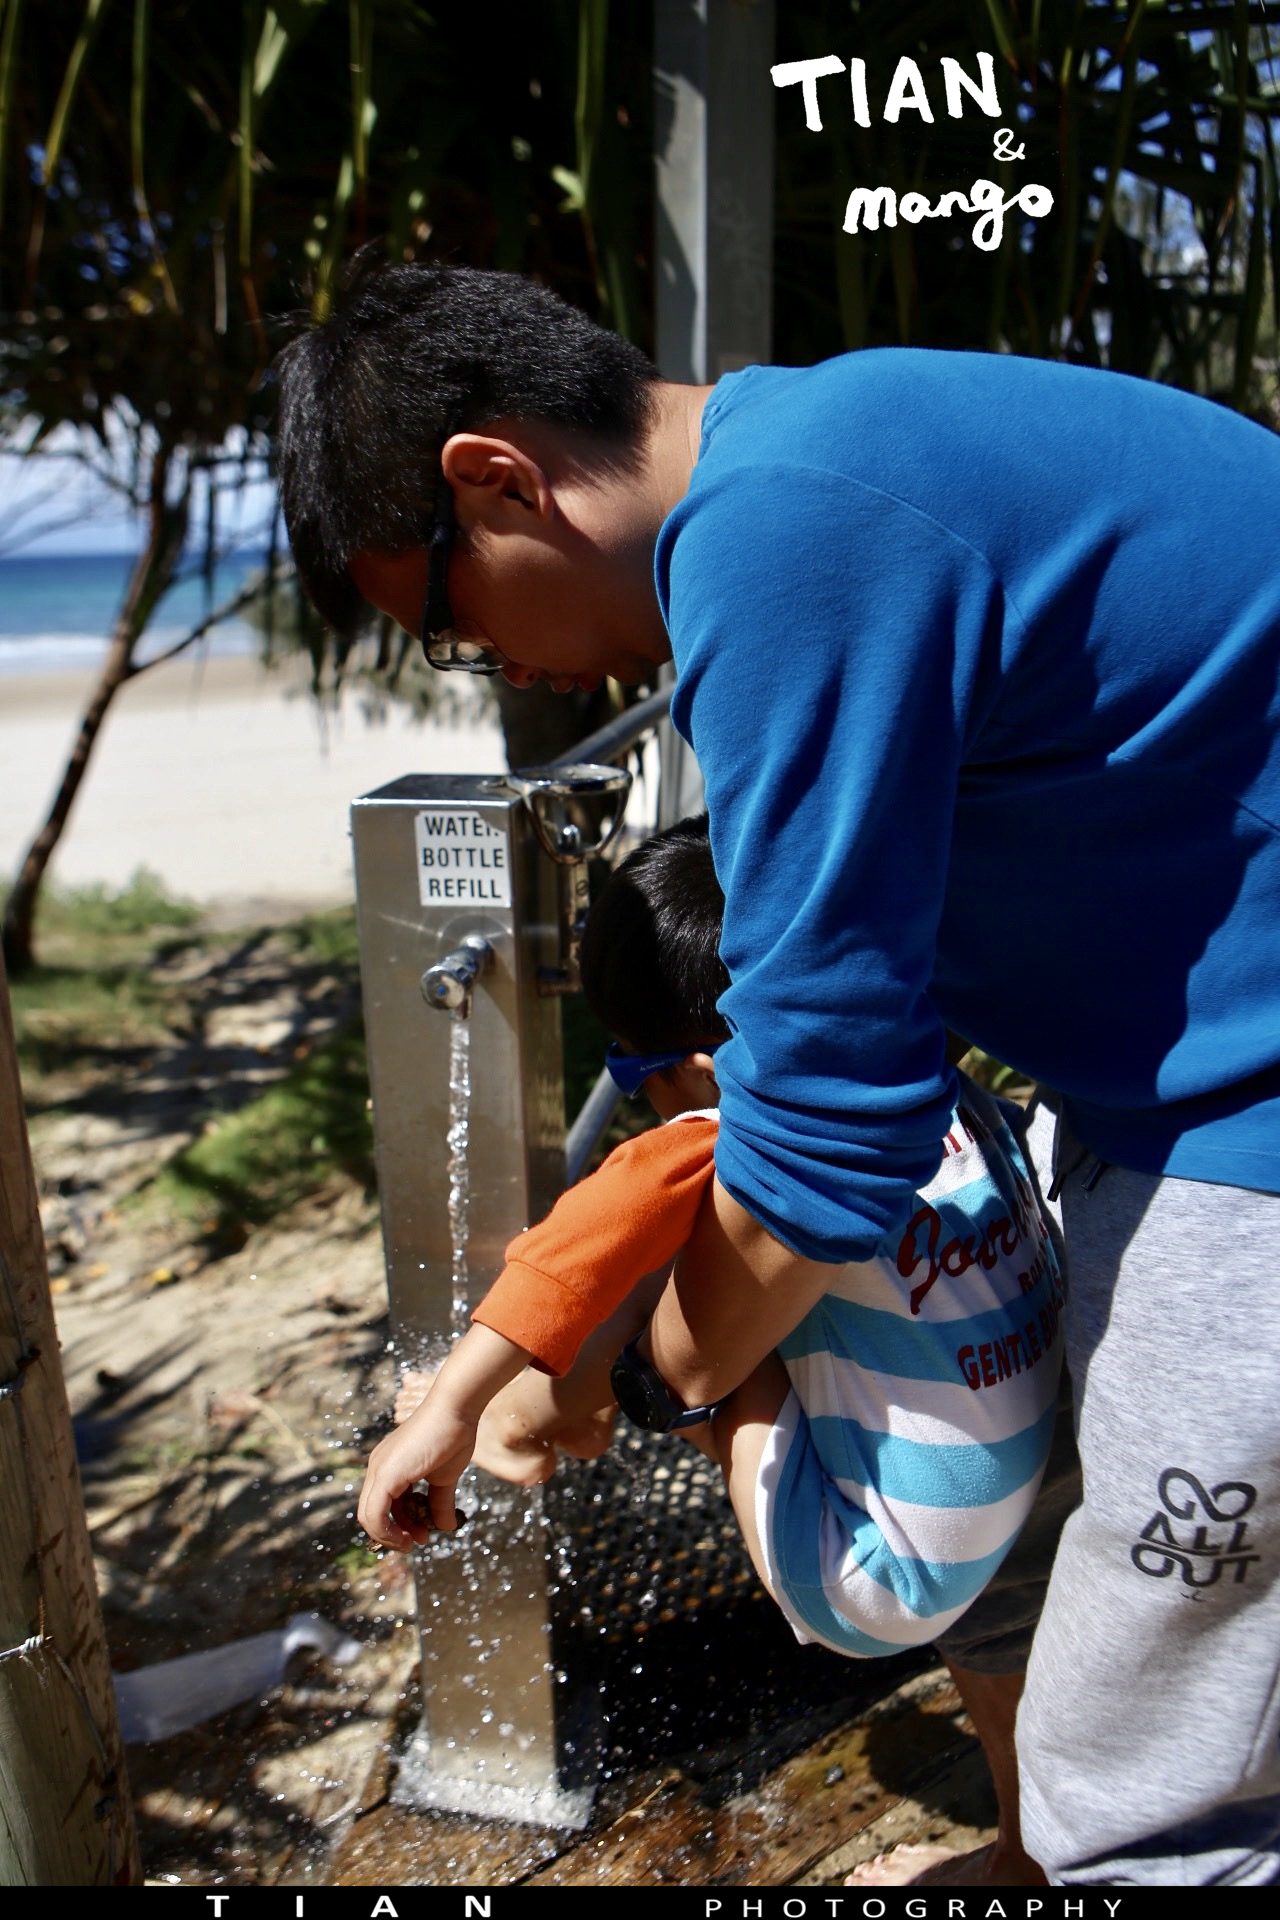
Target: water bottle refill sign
x=461 y=858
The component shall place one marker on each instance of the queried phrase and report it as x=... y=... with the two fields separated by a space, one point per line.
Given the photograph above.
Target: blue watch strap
x=662 y=1412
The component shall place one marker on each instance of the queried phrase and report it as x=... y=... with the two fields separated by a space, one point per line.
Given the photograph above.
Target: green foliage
x=99 y=913
x=101 y=1007
x=255 y=1164
x=171 y=174
x=330 y=938
x=303 y=1132
x=95 y=992
x=66 y=1016
x=1152 y=124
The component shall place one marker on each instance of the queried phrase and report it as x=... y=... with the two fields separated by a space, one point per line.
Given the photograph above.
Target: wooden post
x=66 y=1818
x=713 y=240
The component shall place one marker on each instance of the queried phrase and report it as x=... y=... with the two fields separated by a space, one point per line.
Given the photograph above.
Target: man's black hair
x=409 y=356
x=651 y=966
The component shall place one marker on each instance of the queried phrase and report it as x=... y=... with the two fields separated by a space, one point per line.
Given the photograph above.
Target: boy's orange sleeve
x=628 y=1218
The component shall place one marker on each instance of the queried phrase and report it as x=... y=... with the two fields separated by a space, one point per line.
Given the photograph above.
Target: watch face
x=636 y=1389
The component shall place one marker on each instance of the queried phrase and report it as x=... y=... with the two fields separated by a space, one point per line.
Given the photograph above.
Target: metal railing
x=608 y=744
x=619 y=735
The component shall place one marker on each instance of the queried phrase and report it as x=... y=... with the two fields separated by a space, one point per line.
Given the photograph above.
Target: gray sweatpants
x=1148 y=1733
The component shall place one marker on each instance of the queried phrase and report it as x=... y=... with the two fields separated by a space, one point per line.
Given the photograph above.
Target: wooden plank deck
x=730 y=1753
x=902 y=1766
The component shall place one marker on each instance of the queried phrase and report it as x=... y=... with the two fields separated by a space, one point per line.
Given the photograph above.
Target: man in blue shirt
x=979 y=659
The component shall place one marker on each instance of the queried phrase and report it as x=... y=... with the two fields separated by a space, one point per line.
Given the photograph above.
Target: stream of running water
x=457 y=1139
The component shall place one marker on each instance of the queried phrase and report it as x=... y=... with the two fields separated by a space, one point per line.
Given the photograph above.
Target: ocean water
x=56 y=610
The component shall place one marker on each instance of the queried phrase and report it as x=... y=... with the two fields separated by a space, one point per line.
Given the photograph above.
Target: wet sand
x=222 y=778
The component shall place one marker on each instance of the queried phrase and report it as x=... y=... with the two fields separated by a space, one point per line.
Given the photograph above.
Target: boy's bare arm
x=436 y=1443
x=486 y=1378
x=735 y=1293
x=574 y=1411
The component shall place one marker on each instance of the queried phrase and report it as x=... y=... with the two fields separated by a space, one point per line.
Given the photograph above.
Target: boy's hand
x=436 y=1445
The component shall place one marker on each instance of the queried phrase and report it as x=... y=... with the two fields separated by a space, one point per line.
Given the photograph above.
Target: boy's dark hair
x=651 y=966
x=409 y=356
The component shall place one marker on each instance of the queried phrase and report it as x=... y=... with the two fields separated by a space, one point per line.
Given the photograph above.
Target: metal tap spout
x=449 y=983
x=576 y=811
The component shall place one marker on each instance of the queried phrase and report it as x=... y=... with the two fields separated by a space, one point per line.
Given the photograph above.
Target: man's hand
x=435 y=1445
x=735 y=1293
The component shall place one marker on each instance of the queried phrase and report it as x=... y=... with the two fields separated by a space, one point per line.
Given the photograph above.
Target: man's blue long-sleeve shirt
x=978 y=657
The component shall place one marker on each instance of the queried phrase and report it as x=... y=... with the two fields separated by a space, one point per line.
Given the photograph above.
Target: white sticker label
x=461 y=858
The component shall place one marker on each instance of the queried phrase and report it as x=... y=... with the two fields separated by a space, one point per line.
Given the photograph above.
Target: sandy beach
x=222 y=778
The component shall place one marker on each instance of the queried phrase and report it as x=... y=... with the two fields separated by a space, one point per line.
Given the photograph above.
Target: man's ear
x=492 y=478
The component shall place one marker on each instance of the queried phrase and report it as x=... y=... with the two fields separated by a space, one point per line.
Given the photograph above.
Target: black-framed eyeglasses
x=443 y=646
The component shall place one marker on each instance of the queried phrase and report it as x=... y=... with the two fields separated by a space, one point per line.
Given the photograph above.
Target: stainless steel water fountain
x=576 y=811
x=459 y=906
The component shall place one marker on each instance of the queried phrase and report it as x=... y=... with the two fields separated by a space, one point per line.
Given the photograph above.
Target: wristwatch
x=647 y=1400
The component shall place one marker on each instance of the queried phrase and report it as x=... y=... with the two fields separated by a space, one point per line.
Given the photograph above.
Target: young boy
x=882 y=1462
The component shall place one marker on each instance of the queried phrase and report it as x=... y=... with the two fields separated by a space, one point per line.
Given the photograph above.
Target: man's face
x=397 y=585
x=551 y=563
x=528 y=601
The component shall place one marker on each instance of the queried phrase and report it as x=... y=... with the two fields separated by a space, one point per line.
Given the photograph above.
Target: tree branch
x=256 y=590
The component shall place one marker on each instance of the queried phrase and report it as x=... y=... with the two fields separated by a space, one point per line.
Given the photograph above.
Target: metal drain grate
x=649 y=1535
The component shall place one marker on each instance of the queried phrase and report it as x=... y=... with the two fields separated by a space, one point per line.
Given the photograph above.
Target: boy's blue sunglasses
x=631 y=1070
